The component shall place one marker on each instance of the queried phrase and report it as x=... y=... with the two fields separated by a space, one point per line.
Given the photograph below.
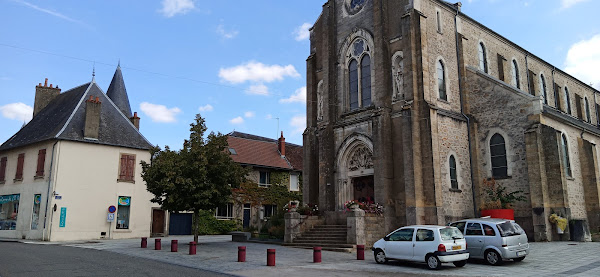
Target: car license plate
x=456 y=247
x=521 y=253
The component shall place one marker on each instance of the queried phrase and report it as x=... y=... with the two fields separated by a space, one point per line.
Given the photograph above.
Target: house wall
x=86 y=179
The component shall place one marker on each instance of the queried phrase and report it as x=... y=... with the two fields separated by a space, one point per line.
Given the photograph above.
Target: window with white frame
x=482 y=58
x=294 y=182
x=224 y=212
x=441 y=80
x=269 y=210
x=515 y=74
x=264 y=179
x=359 y=74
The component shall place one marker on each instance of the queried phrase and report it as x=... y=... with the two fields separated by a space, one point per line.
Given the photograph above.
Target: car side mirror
x=386 y=238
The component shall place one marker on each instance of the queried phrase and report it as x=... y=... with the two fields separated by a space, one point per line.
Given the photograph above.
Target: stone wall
x=374 y=229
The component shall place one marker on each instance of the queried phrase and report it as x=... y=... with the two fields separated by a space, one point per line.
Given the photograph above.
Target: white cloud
x=53 y=13
x=565 y=4
x=206 y=108
x=257 y=72
x=159 y=113
x=269 y=116
x=226 y=34
x=298 y=124
x=583 y=59
x=17 y=111
x=249 y=114
x=298 y=96
x=171 y=8
x=237 y=120
x=258 y=89
x=302 y=32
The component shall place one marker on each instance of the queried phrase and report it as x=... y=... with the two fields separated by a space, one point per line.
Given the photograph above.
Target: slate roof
x=118 y=94
x=64 y=119
x=261 y=151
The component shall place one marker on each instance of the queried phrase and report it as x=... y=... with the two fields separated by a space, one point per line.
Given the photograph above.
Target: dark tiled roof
x=64 y=119
x=118 y=94
x=261 y=151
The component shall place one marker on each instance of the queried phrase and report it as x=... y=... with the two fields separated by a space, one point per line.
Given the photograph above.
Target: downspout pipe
x=48 y=192
x=460 y=92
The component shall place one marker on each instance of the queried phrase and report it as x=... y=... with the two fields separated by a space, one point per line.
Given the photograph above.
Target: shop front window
x=9 y=211
x=35 y=217
x=123 y=212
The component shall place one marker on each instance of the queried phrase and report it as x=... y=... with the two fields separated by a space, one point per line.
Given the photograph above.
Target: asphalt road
x=21 y=259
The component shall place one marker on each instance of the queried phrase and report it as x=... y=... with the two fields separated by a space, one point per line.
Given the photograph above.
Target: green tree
x=199 y=177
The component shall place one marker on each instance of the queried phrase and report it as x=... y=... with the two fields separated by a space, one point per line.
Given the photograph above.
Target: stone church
x=412 y=104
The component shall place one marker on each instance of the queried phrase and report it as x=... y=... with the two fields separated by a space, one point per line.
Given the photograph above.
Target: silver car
x=494 y=239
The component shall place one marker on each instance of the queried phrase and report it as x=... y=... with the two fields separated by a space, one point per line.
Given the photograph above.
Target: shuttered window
x=20 y=161
x=3 y=169
x=40 y=163
x=127 y=168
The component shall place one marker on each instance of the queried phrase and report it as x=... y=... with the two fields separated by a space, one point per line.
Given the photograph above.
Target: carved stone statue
x=320 y=101
x=398 y=76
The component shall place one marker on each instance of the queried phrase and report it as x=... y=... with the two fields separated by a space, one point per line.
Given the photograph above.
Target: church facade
x=413 y=104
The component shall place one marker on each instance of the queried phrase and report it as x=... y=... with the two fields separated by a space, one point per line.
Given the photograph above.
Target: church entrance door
x=364 y=189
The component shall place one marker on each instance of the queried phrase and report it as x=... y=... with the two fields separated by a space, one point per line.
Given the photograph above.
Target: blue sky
x=241 y=64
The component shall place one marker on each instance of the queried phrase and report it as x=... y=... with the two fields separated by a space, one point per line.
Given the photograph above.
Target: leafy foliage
x=209 y=225
x=498 y=197
x=197 y=177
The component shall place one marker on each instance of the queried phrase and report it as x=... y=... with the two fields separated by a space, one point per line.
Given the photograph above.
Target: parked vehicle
x=431 y=244
x=494 y=239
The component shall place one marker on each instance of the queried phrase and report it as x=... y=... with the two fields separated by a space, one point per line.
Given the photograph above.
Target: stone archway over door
x=355 y=171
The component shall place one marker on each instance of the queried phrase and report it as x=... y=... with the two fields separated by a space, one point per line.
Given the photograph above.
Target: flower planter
x=499 y=213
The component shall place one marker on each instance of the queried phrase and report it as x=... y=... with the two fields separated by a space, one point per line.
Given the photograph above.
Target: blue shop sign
x=9 y=198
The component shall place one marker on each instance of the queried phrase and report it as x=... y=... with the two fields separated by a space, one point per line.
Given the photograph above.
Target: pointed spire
x=118 y=94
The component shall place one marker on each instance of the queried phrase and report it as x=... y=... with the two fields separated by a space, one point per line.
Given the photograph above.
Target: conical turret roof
x=118 y=94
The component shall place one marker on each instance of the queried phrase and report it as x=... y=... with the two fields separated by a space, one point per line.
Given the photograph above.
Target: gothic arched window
x=587 y=110
x=441 y=80
x=453 y=176
x=515 y=74
x=498 y=156
x=359 y=74
x=565 y=150
x=482 y=58
x=543 y=88
x=567 y=100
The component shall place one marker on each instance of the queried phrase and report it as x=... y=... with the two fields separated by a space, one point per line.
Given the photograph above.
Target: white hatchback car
x=431 y=244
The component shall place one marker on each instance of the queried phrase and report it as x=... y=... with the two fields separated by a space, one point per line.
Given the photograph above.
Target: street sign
x=63 y=217
x=112 y=209
x=110 y=217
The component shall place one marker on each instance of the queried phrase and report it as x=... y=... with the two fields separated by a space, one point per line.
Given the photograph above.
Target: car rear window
x=509 y=228
x=450 y=233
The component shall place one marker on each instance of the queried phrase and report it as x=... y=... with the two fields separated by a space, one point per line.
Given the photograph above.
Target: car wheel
x=492 y=257
x=433 y=262
x=380 y=256
x=519 y=259
x=460 y=263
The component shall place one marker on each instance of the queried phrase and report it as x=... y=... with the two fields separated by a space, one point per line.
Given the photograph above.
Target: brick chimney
x=92 y=118
x=43 y=96
x=135 y=120
x=281 y=145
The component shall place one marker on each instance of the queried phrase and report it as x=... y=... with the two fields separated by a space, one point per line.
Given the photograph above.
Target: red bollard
x=144 y=242
x=193 y=248
x=174 y=245
x=241 y=254
x=270 y=257
x=157 y=244
x=360 y=252
x=317 y=254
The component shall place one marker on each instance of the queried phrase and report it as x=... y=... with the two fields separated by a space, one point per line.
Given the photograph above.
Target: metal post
x=316 y=254
x=174 y=245
x=241 y=254
x=360 y=252
x=144 y=242
x=193 y=248
x=270 y=257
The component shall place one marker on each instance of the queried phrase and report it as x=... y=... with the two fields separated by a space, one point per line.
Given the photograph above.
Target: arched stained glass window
x=515 y=74
x=365 y=73
x=353 y=70
x=543 y=88
x=498 y=156
x=567 y=100
x=482 y=58
x=565 y=150
x=453 y=176
x=588 y=114
x=441 y=77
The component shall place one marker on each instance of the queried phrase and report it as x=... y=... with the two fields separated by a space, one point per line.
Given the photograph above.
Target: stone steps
x=328 y=237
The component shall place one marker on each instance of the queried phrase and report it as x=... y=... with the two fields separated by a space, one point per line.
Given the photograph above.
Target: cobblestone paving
x=219 y=254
